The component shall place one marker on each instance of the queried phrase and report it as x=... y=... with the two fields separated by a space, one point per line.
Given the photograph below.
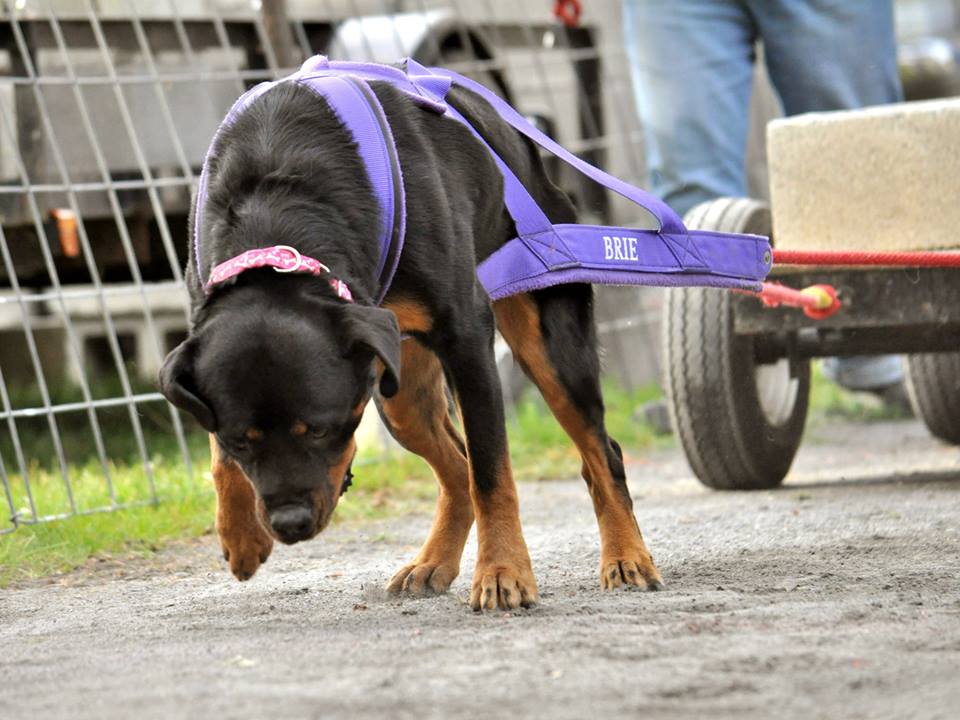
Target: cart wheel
x=740 y=423
x=933 y=384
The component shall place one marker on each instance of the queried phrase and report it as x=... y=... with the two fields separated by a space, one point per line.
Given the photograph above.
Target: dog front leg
x=419 y=418
x=246 y=544
x=503 y=576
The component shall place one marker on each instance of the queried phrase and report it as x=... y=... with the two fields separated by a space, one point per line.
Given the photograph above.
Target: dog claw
x=641 y=574
x=422 y=579
x=504 y=589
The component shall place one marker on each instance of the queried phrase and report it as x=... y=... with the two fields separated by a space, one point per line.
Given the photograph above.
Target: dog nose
x=292 y=522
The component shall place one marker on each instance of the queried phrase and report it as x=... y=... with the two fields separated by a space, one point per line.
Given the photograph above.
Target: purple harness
x=542 y=254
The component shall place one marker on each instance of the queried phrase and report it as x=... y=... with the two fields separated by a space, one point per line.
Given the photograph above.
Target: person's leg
x=834 y=55
x=829 y=54
x=691 y=62
x=864 y=372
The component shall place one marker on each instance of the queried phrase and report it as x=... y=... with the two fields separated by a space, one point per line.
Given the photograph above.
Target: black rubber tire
x=933 y=384
x=710 y=382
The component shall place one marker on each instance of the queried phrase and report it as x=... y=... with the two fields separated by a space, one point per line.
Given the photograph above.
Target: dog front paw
x=245 y=547
x=634 y=570
x=507 y=586
x=423 y=577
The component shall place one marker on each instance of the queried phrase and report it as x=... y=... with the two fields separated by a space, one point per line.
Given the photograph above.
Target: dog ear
x=178 y=385
x=375 y=329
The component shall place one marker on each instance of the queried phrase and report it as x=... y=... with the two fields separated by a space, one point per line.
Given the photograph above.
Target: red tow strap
x=860 y=257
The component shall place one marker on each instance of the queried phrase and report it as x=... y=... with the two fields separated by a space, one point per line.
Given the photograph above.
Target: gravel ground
x=837 y=596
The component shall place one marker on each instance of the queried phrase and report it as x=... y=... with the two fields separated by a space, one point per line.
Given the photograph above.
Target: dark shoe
x=656 y=415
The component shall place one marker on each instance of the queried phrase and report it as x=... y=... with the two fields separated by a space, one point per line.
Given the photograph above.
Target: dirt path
x=837 y=596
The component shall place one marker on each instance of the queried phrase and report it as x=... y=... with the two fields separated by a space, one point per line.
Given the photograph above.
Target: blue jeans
x=692 y=68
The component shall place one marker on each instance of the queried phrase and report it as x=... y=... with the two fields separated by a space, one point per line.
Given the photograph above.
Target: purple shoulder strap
x=544 y=254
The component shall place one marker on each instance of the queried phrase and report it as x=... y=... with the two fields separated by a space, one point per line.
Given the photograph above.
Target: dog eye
x=243 y=443
x=235 y=446
x=319 y=433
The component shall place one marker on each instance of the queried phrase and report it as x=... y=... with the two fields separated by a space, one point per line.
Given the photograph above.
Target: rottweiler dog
x=278 y=368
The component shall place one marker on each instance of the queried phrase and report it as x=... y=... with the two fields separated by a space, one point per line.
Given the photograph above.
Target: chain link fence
x=106 y=109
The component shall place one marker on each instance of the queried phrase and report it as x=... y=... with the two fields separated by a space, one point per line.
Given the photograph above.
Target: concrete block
x=882 y=178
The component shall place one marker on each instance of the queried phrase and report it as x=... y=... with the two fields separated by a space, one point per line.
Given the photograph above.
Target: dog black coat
x=278 y=369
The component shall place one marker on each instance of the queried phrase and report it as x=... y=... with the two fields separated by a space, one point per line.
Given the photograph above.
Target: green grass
x=541 y=450
x=184 y=509
x=385 y=483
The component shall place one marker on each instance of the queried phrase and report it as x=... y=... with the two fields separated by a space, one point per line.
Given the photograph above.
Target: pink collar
x=283 y=259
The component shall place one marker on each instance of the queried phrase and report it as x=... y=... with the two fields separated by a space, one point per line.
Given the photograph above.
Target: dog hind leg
x=245 y=542
x=552 y=336
x=418 y=417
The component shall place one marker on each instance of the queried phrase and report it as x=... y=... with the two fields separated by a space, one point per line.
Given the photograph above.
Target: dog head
x=282 y=383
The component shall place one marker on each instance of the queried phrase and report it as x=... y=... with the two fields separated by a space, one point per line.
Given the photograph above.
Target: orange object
x=67 y=231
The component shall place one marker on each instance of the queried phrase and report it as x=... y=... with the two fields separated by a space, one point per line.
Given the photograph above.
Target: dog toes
x=244 y=568
x=421 y=579
x=629 y=574
x=395 y=585
x=246 y=552
x=416 y=582
x=243 y=573
x=503 y=588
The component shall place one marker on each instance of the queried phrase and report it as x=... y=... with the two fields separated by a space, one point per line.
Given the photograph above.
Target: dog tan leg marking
x=624 y=558
x=411 y=315
x=325 y=498
x=245 y=542
x=504 y=576
x=419 y=419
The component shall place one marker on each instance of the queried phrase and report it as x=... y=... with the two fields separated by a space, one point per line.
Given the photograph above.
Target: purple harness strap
x=542 y=254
